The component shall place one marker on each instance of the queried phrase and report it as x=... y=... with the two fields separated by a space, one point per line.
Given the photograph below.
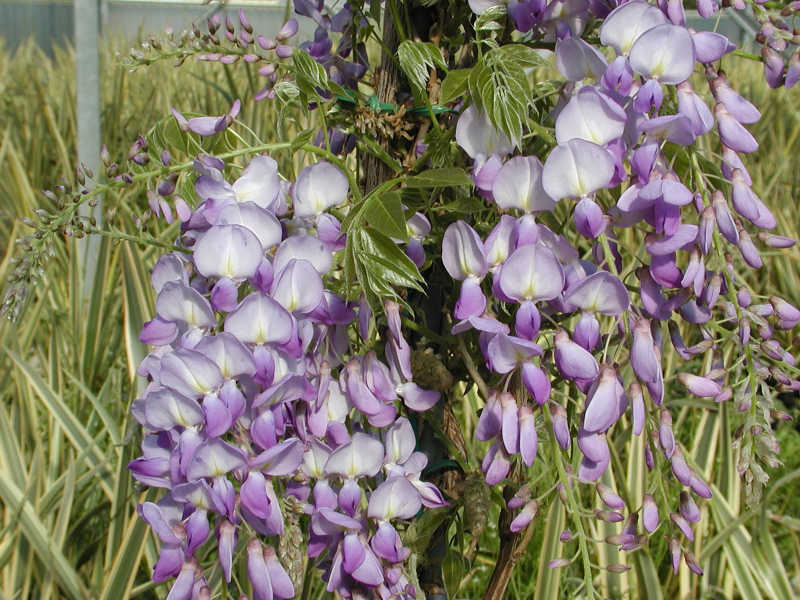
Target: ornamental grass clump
x=466 y=218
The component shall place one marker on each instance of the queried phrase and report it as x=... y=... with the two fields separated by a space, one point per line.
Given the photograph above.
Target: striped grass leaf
x=40 y=539
x=73 y=428
x=548 y=580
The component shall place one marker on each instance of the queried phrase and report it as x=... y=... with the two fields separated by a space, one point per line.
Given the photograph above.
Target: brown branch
x=388 y=77
x=512 y=547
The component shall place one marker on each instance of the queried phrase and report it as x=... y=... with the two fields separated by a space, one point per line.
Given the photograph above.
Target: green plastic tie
x=386 y=108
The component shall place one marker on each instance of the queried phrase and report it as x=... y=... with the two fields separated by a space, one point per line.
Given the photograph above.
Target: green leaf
x=499 y=86
x=122 y=575
x=381 y=264
x=385 y=214
x=548 y=580
x=444 y=177
x=489 y=19
x=301 y=139
x=737 y=547
x=418 y=535
x=386 y=263
x=463 y=205
x=454 y=568
x=286 y=93
x=309 y=74
x=137 y=305
x=40 y=538
x=416 y=60
x=454 y=85
x=73 y=428
x=518 y=54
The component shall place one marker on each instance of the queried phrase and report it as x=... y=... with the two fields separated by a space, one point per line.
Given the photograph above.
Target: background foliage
x=67 y=370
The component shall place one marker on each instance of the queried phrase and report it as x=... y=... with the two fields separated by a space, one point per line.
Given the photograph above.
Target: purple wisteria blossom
x=254 y=397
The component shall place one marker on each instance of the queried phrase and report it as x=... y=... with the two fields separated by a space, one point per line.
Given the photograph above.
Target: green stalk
x=573 y=505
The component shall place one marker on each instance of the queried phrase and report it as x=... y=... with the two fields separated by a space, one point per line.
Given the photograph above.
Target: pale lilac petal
x=700 y=386
x=573 y=361
x=259 y=183
x=600 y=292
x=169 y=267
x=228 y=353
x=678 y=129
x=609 y=497
x=558 y=416
x=462 y=252
x=626 y=23
x=471 y=301
x=576 y=60
x=279 y=460
x=369 y=572
x=536 y=382
x=532 y=273
x=158 y=332
x=189 y=373
x=711 y=46
x=505 y=353
x=527 y=320
x=477 y=136
x=230 y=251
x=214 y=458
x=417 y=399
x=637 y=408
x=262 y=223
x=259 y=320
x=605 y=402
x=509 y=429
x=499 y=243
x=282 y=586
x=528 y=437
x=592 y=116
x=576 y=168
x=588 y=218
x=695 y=109
x=649 y=513
x=363 y=455
x=318 y=187
x=519 y=185
x=732 y=133
x=665 y=52
x=590 y=471
x=495 y=465
x=161 y=518
x=386 y=543
x=399 y=441
x=593 y=445
x=178 y=302
x=298 y=287
x=525 y=516
x=490 y=420
x=304 y=247
x=395 y=498
x=257 y=571
x=750 y=206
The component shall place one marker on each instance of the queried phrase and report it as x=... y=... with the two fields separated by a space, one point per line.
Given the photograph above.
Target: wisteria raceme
x=611 y=126
x=253 y=396
x=606 y=242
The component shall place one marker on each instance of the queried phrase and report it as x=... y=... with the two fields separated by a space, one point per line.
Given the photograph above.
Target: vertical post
x=87 y=89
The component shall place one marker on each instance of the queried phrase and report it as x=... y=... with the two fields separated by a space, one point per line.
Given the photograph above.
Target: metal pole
x=87 y=62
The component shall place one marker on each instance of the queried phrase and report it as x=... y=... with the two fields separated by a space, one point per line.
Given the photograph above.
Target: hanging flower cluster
x=557 y=316
x=257 y=411
x=282 y=431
